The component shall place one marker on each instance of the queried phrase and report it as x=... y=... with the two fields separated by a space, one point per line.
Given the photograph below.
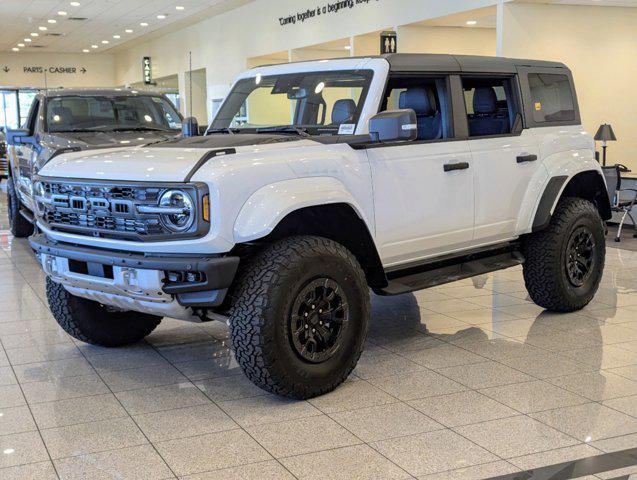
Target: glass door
x=9 y=110
x=14 y=107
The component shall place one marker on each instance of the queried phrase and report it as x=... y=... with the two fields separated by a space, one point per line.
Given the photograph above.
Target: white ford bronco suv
x=315 y=183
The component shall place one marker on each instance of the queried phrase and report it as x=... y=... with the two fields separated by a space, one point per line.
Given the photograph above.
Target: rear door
x=505 y=157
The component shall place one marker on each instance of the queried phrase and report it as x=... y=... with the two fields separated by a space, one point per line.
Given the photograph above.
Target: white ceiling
x=104 y=18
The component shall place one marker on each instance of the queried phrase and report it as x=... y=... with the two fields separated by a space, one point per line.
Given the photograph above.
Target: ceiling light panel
x=104 y=19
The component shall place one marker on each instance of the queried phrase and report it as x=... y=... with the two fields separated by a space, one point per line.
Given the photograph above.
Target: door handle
x=450 y=167
x=526 y=158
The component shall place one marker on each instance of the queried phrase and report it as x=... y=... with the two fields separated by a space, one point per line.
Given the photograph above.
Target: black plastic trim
x=450 y=268
x=220 y=271
x=207 y=156
x=549 y=197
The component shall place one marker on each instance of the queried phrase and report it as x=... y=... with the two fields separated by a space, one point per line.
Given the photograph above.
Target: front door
x=423 y=190
x=423 y=198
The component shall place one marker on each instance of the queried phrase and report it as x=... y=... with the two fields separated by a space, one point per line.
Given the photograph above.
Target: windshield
x=319 y=103
x=109 y=114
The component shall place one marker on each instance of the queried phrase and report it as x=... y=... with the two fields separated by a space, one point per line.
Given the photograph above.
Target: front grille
x=107 y=210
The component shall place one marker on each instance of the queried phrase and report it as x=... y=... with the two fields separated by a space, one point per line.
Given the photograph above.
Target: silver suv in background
x=62 y=121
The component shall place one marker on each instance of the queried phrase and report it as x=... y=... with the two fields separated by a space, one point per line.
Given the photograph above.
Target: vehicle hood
x=172 y=161
x=87 y=140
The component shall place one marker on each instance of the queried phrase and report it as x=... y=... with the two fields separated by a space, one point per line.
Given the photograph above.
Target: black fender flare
x=549 y=199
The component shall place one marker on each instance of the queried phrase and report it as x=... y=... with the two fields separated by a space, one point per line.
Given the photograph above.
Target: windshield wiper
x=137 y=129
x=72 y=130
x=228 y=130
x=285 y=129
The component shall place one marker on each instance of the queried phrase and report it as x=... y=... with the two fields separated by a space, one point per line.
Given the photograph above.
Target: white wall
x=222 y=44
x=599 y=44
x=100 y=70
x=453 y=40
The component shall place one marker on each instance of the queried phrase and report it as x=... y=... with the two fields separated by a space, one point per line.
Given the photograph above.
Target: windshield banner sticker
x=347 y=129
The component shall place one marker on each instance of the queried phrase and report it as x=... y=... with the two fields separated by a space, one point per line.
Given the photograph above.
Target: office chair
x=621 y=200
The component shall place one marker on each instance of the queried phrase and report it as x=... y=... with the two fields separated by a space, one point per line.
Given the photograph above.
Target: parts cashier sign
x=323 y=9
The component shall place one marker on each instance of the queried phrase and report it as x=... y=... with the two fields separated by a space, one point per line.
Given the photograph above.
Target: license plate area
x=92 y=269
x=125 y=281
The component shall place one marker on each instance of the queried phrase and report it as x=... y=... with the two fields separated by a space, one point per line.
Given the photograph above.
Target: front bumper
x=137 y=277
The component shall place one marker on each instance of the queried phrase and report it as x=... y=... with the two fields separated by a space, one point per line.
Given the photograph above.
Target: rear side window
x=552 y=98
x=491 y=105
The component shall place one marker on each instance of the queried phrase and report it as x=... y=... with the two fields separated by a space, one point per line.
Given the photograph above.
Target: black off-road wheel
x=20 y=226
x=299 y=316
x=91 y=322
x=564 y=263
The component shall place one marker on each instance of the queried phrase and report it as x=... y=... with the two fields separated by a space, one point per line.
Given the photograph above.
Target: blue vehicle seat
x=344 y=111
x=429 y=120
x=485 y=119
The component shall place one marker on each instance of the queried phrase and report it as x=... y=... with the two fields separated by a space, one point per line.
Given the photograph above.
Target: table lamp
x=605 y=134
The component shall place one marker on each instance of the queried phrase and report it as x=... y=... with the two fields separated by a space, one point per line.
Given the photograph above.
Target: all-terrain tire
x=20 y=226
x=267 y=301
x=548 y=253
x=90 y=322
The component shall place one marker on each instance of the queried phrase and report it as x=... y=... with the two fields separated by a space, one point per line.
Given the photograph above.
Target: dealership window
x=491 y=105
x=552 y=98
x=325 y=103
x=428 y=98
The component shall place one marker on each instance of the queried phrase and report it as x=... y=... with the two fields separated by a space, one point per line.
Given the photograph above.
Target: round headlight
x=183 y=215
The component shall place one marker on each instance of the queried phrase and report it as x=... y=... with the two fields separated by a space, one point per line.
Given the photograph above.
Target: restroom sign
x=147 y=71
x=388 y=42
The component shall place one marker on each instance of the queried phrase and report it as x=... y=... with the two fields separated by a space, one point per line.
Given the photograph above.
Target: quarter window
x=552 y=98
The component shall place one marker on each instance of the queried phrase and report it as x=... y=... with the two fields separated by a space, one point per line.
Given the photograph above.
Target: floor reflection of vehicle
x=73 y=120
x=4 y=168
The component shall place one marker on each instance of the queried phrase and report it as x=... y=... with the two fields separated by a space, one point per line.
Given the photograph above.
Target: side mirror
x=190 y=127
x=394 y=126
x=19 y=136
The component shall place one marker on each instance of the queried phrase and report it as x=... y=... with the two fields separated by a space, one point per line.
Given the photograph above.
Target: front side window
x=321 y=103
x=552 y=98
x=82 y=113
x=427 y=97
x=32 y=118
x=491 y=105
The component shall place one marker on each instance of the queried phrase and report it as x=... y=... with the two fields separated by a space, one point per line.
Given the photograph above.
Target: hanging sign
x=388 y=42
x=147 y=71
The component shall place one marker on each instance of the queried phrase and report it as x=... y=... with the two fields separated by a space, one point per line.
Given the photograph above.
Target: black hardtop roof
x=428 y=62
x=96 y=92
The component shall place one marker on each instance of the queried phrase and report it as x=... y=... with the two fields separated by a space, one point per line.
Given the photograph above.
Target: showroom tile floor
x=466 y=381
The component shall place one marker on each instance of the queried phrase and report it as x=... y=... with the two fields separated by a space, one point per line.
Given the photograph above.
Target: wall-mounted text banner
x=55 y=70
x=328 y=8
